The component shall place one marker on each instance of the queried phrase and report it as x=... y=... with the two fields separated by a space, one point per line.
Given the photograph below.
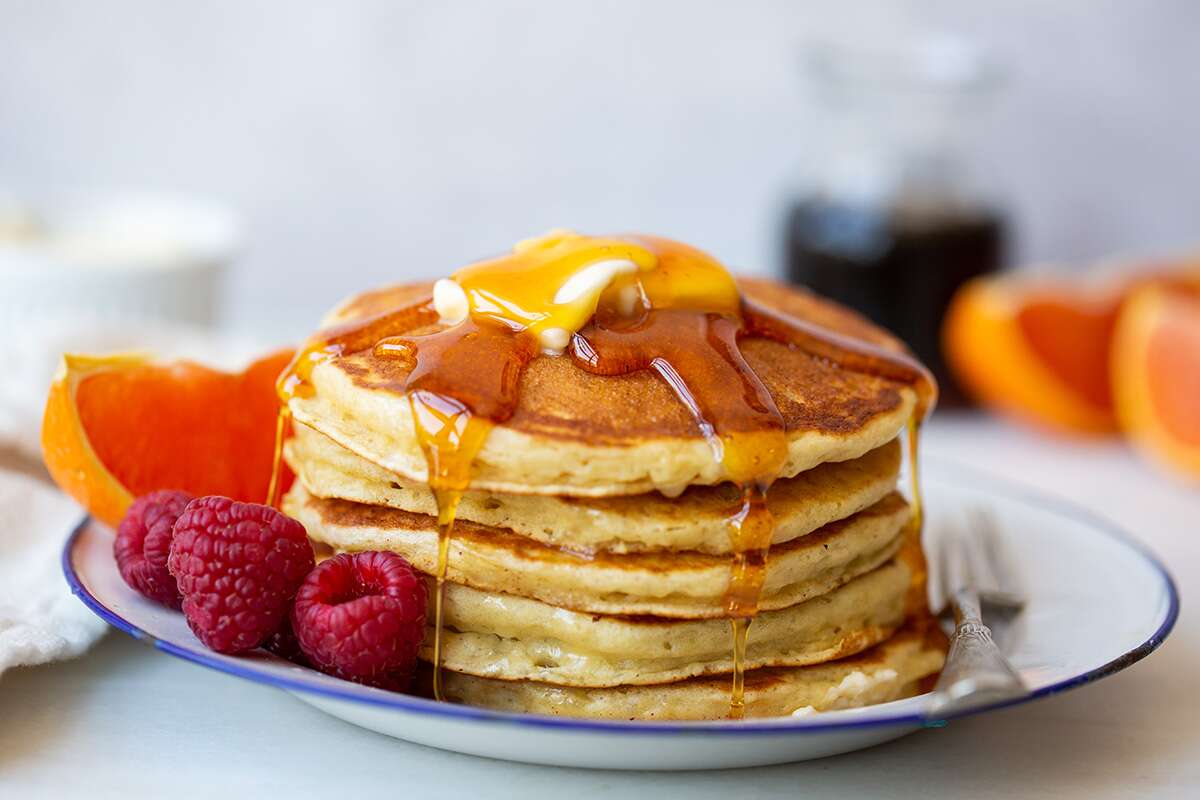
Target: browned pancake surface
x=560 y=400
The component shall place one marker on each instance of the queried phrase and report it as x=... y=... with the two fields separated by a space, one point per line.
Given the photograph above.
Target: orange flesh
x=1034 y=352
x=1173 y=371
x=184 y=426
x=1073 y=341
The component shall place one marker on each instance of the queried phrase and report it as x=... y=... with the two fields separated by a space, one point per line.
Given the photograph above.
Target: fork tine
x=939 y=598
x=975 y=548
x=996 y=555
x=934 y=566
x=976 y=671
x=954 y=568
x=1004 y=592
x=965 y=556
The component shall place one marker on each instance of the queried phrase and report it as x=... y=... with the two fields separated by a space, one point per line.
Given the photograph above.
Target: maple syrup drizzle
x=282 y=425
x=911 y=552
x=460 y=382
x=739 y=628
x=914 y=477
x=450 y=437
x=853 y=355
x=349 y=337
x=750 y=531
x=697 y=356
x=863 y=357
x=296 y=378
x=463 y=380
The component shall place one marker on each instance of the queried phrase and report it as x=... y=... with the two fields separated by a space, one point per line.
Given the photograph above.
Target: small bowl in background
x=109 y=256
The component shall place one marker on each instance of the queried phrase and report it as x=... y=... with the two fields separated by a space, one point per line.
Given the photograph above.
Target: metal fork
x=976 y=672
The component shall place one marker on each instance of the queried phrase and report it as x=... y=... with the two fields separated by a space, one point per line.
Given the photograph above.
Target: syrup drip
x=462 y=381
x=283 y=423
x=914 y=435
x=911 y=552
x=698 y=358
x=349 y=337
x=751 y=529
x=296 y=378
x=450 y=436
x=740 y=629
x=745 y=428
x=854 y=355
x=865 y=358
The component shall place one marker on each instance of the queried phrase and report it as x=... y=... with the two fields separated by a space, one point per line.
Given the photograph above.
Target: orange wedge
x=1156 y=374
x=1035 y=350
x=119 y=426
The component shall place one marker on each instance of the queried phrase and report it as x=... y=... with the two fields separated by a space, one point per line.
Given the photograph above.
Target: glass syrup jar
x=892 y=219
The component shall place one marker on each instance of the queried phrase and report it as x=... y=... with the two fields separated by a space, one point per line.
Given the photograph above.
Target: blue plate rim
x=781 y=725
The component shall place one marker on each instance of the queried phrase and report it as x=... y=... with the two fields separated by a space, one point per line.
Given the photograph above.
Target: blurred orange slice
x=119 y=426
x=1156 y=374
x=1035 y=350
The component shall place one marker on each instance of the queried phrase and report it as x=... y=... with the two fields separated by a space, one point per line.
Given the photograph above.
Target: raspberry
x=238 y=566
x=362 y=617
x=144 y=541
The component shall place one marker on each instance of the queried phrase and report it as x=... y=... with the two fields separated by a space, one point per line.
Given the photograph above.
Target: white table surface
x=126 y=721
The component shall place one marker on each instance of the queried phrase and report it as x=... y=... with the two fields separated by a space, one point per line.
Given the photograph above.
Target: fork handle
x=976 y=673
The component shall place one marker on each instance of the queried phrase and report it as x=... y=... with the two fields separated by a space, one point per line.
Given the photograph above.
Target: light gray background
x=365 y=142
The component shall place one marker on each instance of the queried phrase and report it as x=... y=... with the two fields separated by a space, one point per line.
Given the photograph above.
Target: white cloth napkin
x=40 y=620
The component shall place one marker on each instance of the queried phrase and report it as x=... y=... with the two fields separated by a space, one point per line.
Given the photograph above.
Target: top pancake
x=575 y=433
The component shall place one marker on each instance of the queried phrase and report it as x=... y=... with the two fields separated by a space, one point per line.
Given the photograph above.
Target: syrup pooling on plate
x=622 y=304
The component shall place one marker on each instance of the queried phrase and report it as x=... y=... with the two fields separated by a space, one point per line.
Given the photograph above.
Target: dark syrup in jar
x=899 y=269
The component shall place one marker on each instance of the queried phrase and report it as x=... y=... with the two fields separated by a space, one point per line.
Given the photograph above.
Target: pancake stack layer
x=588 y=568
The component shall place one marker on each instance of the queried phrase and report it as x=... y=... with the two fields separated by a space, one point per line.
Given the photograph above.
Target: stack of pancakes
x=588 y=567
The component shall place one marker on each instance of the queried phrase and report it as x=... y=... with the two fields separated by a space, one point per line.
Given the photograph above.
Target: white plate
x=1097 y=602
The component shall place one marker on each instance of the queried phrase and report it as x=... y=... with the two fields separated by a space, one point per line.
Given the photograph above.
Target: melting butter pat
x=575 y=300
x=554 y=340
x=450 y=301
x=550 y=286
x=586 y=285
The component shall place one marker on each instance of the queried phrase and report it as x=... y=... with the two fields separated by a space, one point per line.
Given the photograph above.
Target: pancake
x=504 y=636
x=682 y=585
x=575 y=433
x=697 y=520
x=889 y=671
